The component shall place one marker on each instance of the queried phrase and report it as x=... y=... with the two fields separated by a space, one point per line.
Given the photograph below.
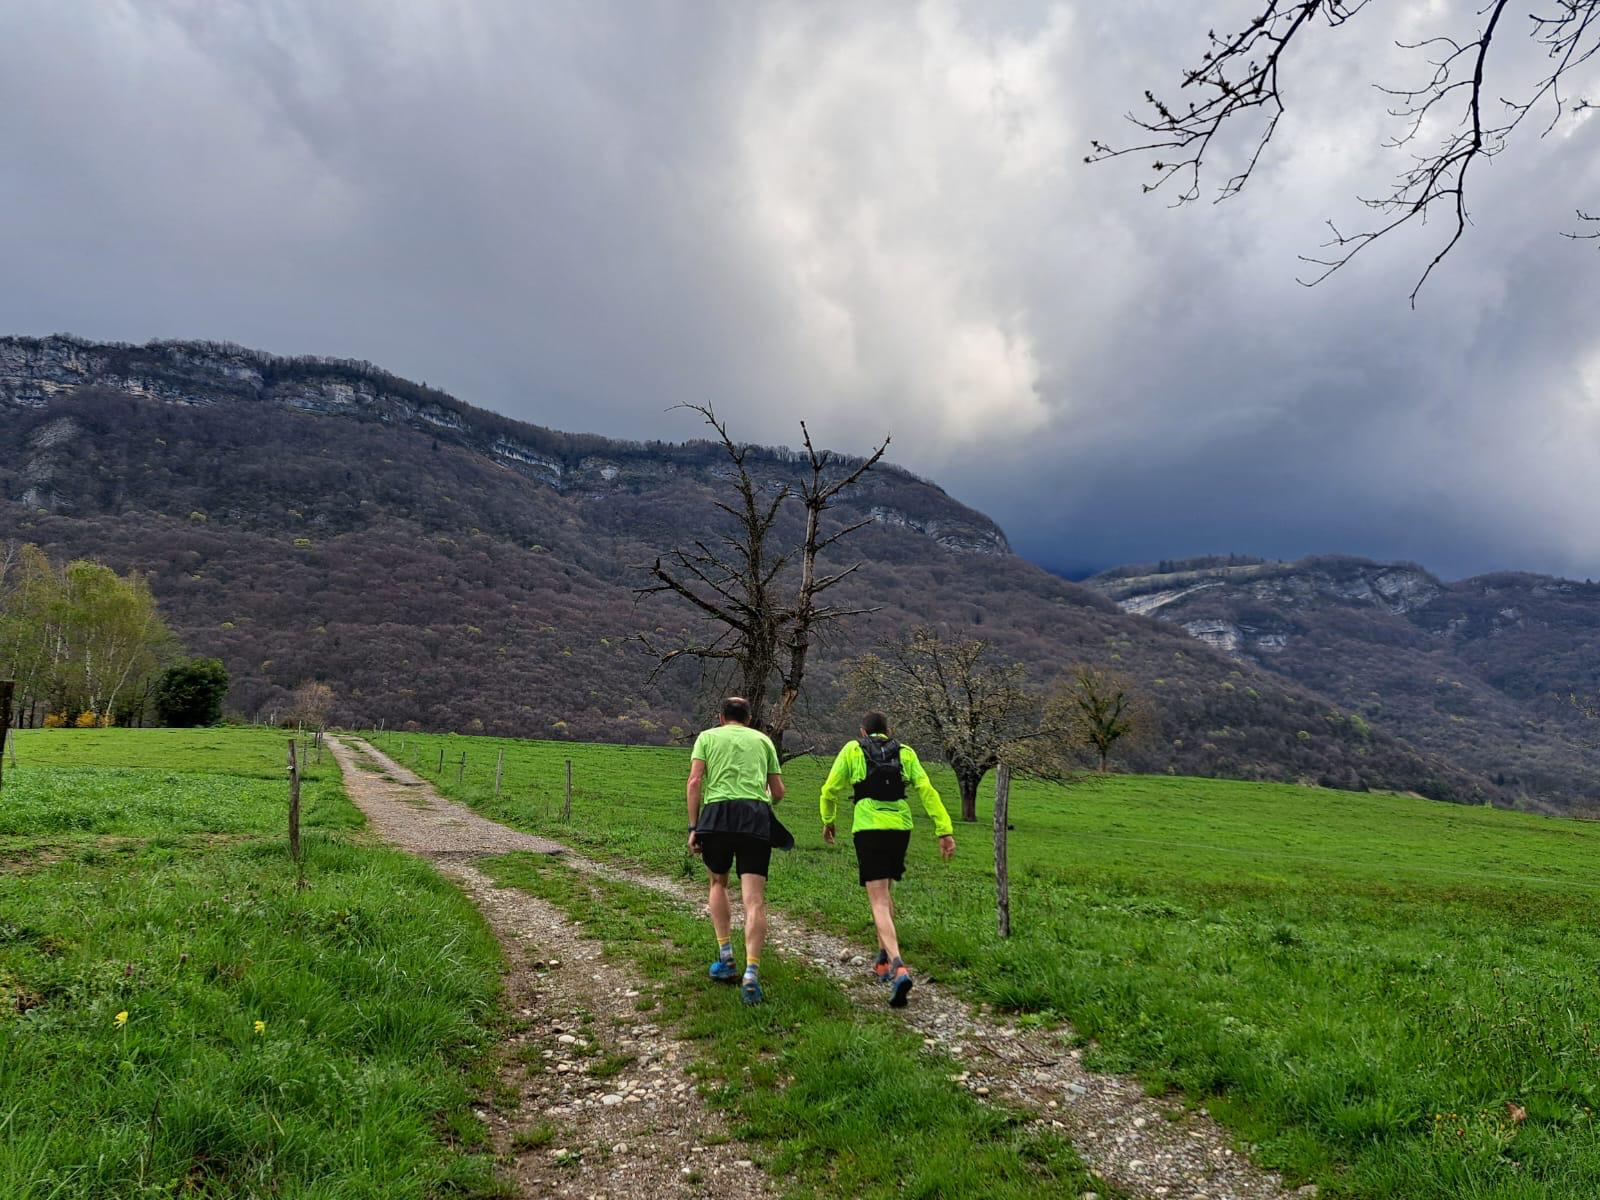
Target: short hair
x=874 y=722
x=736 y=708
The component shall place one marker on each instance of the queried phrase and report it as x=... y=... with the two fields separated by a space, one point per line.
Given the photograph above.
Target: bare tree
x=1100 y=711
x=764 y=601
x=975 y=707
x=1464 y=105
x=1588 y=707
x=311 y=704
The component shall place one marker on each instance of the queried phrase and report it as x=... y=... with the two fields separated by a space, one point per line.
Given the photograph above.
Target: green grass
x=1358 y=983
x=837 y=1099
x=249 y=750
x=40 y=802
x=376 y=986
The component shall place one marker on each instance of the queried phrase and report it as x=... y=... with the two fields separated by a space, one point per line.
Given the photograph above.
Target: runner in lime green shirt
x=876 y=772
x=734 y=779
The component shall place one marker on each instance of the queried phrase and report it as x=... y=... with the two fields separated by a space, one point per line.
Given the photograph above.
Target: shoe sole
x=901 y=993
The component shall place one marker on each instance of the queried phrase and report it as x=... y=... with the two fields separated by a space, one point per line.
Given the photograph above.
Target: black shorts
x=881 y=853
x=754 y=854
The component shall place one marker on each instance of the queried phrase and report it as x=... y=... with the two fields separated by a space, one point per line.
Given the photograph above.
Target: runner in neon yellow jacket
x=878 y=773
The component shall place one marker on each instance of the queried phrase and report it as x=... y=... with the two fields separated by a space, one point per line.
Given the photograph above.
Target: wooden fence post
x=499 y=771
x=8 y=688
x=441 y=762
x=461 y=771
x=294 y=804
x=1002 y=870
x=566 y=809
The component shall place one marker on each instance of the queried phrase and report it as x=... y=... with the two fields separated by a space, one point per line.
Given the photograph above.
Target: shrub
x=55 y=720
x=190 y=693
x=86 y=720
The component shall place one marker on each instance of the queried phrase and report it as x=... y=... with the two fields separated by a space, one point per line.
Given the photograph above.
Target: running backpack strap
x=886 y=779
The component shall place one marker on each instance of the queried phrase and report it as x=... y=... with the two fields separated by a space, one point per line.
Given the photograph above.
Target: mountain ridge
x=33 y=371
x=1483 y=668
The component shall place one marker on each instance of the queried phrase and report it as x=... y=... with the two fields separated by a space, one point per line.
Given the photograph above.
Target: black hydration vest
x=885 y=779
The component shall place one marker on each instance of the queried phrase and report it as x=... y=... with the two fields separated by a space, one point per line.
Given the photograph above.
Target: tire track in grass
x=1147 y=1146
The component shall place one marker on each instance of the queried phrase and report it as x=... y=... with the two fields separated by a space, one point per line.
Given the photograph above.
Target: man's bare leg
x=753 y=889
x=722 y=922
x=721 y=910
x=881 y=898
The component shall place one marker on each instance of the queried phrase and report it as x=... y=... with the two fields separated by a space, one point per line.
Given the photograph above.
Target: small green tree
x=1100 y=710
x=190 y=693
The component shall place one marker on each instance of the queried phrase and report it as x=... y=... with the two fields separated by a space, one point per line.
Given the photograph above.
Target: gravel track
x=635 y=1128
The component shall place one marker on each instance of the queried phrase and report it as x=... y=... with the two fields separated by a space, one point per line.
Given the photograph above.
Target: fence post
x=499 y=770
x=8 y=689
x=461 y=771
x=294 y=804
x=441 y=762
x=566 y=809
x=1002 y=870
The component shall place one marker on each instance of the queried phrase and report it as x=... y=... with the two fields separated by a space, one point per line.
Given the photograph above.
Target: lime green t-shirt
x=738 y=760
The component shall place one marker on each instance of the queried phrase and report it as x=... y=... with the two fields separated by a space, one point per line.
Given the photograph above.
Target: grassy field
x=177 y=1019
x=1373 y=989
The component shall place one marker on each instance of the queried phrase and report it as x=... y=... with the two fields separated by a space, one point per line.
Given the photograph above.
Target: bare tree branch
x=743 y=582
x=1239 y=80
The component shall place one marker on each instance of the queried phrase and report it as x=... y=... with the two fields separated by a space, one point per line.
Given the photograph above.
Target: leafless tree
x=975 y=707
x=764 y=601
x=1588 y=707
x=311 y=705
x=1463 y=106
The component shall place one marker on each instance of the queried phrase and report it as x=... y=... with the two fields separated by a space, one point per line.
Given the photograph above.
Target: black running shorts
x=721 y=850
x=881 y=853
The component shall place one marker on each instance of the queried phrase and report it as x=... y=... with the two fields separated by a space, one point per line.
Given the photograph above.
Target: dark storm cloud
x=873 y=215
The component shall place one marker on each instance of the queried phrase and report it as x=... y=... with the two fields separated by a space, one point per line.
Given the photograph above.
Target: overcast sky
x=871 y=215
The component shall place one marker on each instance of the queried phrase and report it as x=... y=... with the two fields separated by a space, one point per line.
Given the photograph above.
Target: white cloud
x=878 y=161
x=867 y=214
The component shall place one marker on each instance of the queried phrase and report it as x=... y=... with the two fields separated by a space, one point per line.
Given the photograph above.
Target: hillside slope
x=444 y=565
x=1479 y=670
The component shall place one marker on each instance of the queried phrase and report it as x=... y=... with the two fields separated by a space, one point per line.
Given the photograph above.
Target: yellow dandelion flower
x=122 y=1018
x=261 y=1027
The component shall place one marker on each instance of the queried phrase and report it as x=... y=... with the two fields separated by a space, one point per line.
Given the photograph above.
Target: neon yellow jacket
x=850 y=768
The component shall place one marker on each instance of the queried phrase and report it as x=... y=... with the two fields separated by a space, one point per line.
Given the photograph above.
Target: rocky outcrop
x=1209 y=600
x=34 y=371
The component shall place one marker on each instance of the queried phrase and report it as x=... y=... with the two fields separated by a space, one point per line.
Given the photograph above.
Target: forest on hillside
x=431 y=584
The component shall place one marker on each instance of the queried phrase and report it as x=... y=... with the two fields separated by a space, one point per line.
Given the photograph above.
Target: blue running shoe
x=723 y=971
x=750 y=991
x=900 y=988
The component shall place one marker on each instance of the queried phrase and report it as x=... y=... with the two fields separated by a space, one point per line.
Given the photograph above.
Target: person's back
x=738 y=760
x=877 y=773
x=734 y=778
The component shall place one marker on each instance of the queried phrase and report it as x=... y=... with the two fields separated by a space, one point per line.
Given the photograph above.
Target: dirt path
x=594 y=1100
x=1150 y=1147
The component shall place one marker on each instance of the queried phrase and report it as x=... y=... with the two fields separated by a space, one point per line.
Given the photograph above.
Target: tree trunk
x=967 y=780
x=1002 y=868
x=7 y=688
